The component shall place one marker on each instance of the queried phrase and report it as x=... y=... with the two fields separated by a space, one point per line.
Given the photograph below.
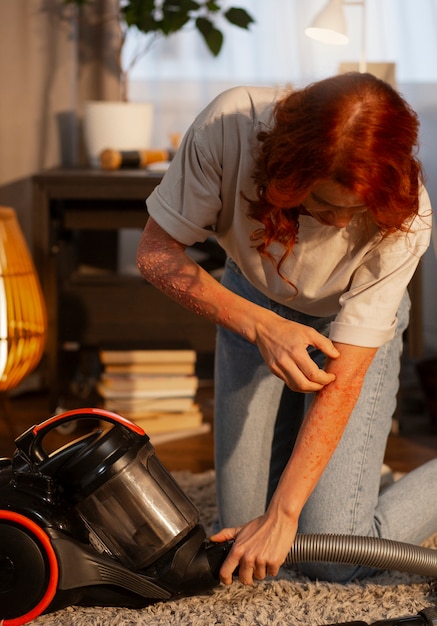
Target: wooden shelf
x=77 y=216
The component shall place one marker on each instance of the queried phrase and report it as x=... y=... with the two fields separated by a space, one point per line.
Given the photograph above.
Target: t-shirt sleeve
x=368 y=308
x=187 y=201
x=201 y=191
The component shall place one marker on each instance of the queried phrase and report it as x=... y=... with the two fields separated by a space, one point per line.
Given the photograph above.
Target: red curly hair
x=352 y=128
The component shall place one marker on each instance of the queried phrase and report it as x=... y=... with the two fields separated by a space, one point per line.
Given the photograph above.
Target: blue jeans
x=256 y=422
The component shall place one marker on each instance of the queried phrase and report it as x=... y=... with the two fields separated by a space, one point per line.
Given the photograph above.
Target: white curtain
x=181 y=75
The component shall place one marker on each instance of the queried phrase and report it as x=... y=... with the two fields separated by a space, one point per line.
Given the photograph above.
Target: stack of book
x=155 y=389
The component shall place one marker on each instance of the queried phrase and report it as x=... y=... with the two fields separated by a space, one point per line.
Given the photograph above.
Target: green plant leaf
x=212 y=7
x=175 y=14
x=171 y=23
x=180 y=6
x=169 y=16
x=211 y=35
x=239 y=17
x=140 y=13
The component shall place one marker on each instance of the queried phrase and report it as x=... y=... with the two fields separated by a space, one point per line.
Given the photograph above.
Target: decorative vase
x=118 y=126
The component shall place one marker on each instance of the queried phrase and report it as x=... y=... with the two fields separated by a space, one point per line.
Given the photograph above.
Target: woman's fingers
x=302 y=373
x=284 y=347
x=248 y=554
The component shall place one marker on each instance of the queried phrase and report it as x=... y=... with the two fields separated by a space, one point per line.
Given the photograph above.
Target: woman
x=316 y=197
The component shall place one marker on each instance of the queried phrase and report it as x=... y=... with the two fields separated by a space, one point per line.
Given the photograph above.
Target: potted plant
x=159 y=18
x=163 y=18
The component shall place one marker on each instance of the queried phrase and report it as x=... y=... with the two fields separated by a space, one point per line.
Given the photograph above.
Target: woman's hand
x=283 y=345
x=260 y=548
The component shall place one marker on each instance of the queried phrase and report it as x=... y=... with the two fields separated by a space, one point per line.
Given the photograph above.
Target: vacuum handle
x=30 y=442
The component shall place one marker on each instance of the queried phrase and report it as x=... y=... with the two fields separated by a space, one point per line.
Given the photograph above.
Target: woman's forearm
x=261 y=546
x=163 y=262
x=322 y=429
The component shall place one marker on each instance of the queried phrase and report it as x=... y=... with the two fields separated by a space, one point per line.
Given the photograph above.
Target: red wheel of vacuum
x=29 y=569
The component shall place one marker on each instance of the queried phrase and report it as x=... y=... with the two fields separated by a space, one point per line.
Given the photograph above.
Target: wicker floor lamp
x=23 y=319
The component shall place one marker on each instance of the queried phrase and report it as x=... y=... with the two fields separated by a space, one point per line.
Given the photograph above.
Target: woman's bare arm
x=262 y=545
x=163 y=262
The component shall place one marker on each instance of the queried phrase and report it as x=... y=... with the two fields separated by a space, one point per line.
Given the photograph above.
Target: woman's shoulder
x=253 y=102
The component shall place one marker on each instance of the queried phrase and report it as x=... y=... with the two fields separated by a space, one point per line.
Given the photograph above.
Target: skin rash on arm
x=261 y=546
x=327 y=418
x=163 y=262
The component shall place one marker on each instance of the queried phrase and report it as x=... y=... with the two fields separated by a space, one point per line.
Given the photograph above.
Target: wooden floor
x=413 y=441
x=22 y=412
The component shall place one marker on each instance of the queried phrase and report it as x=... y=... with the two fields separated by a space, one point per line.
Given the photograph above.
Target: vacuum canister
x=138 y=512
x=131 y=505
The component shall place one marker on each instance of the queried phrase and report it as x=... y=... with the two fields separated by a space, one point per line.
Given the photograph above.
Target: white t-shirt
x=349 y=272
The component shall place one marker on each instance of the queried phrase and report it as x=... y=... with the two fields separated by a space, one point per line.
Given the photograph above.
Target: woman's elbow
x=146 y=257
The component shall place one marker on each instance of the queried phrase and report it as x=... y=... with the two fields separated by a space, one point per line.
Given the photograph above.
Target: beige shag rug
x=288 y=600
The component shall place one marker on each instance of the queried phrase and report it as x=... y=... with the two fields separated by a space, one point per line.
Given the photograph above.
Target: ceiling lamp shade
x=329 y=26
x=23 y=320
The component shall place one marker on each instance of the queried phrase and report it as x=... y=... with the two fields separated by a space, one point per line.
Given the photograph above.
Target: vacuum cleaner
x=101 y=522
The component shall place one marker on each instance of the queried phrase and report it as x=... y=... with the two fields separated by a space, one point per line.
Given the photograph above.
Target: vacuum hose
x=371 y=552
x=366 y=551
